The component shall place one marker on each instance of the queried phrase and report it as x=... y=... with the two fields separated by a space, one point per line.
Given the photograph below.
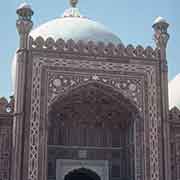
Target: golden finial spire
x=73 y=3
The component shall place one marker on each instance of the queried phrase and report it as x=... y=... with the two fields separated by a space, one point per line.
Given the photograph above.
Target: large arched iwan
x=93 y=122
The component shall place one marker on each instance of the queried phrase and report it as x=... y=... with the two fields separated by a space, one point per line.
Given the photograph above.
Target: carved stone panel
x=135 y=81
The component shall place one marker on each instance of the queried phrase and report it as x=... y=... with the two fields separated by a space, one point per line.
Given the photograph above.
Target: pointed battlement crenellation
x=93 y=49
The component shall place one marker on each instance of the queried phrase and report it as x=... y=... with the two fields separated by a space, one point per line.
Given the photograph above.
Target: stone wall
x=174 y=120
x=6 y=122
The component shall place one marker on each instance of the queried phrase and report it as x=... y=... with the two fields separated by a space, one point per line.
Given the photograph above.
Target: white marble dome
x=75 y=28
x=174 y=92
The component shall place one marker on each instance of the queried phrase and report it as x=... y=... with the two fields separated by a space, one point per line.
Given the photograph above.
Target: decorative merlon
x=93 y=49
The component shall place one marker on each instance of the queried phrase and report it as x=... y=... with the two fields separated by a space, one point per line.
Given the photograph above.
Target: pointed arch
x=99 y=86
x=97 y=116
x=95 y=100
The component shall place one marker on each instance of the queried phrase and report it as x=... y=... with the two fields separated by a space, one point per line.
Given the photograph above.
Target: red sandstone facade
x=86 y=108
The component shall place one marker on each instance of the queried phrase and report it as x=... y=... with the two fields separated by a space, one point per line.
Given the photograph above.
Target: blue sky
x=131 y=20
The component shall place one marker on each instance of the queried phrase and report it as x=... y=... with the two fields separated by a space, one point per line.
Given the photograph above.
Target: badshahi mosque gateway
x=87 y=107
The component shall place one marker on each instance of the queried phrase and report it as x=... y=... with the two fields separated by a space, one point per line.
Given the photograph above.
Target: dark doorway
x=82 y=174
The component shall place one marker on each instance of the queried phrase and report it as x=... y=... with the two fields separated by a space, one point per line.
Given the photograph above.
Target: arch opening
x=82 y=174
x=98 y=120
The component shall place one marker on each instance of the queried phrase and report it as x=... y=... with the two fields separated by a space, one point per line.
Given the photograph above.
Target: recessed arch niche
x=98 y=119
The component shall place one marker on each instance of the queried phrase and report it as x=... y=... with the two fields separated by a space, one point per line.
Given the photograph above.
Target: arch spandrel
x=128 y=89
x=101 y=88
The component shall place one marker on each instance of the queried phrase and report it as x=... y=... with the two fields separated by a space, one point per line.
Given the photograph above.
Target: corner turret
x=161 y=35
x=24 y=23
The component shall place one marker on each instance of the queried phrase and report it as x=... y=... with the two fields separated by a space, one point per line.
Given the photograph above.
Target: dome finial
x=73 y=3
